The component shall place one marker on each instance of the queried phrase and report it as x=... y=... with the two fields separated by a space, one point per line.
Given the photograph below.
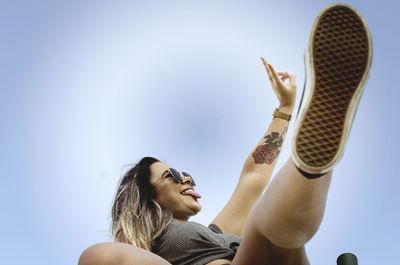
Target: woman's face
x=169 y=192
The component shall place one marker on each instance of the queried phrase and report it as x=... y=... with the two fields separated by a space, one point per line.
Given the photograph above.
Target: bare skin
x=274 y=226
x=113 y=253
x=168 y=193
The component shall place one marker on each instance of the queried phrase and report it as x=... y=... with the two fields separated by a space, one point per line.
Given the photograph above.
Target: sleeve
x=215 y=228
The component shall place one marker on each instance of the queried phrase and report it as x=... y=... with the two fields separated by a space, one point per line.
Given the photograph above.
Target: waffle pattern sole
x=340 y=61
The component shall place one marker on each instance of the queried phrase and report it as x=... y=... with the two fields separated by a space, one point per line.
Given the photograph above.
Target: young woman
x=154 y=201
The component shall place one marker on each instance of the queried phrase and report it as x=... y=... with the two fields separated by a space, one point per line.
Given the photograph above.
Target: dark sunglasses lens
x=176 y=175
x=187 y=175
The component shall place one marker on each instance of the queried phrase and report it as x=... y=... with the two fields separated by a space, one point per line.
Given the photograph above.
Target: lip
x=192 y=194
x=187 y=188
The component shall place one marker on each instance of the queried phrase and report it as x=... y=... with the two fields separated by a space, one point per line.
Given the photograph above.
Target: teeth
x=184 y=192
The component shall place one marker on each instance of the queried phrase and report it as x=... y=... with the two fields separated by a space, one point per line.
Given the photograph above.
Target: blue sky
x=89 y=87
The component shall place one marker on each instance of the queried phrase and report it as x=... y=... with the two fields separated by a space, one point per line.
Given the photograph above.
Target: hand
x=286 y=93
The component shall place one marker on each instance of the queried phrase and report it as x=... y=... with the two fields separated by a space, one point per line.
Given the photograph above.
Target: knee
x=112 y=253
x=100 y=254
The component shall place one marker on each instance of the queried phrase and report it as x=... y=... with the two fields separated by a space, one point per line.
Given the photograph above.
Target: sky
x=87 y=88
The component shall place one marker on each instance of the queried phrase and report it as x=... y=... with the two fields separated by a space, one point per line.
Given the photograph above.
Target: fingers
x=269 y=72
x=266 y=68
x=292 y=79
x=274 y=75
x=290 y=76
x=284 y=75
x=264 y=62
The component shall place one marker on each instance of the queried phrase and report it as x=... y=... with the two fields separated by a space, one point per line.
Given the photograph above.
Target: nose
x=187 y=179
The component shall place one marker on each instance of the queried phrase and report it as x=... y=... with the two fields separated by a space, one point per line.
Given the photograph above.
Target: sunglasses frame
x=175 y=174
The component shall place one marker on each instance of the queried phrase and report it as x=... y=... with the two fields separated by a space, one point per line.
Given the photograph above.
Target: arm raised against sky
x=259 y=165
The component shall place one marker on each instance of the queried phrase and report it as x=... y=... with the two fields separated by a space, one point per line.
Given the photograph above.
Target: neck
x=181 y=219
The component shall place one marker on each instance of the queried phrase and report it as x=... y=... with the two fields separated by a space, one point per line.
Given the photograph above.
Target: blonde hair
x=137 y=219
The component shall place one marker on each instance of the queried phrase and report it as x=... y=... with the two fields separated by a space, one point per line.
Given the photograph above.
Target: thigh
x=258 y=250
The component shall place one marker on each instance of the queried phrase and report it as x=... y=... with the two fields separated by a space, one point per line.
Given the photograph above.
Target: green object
x=347 y=259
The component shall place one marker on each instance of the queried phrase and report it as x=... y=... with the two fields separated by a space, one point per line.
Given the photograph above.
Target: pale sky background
x=89 y=87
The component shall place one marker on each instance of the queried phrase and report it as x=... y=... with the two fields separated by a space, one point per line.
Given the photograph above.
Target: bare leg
x=290 y=211
x=110 y=253
x=286 y=216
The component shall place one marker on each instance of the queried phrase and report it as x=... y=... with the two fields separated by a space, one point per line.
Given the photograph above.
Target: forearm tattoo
x=266 y=153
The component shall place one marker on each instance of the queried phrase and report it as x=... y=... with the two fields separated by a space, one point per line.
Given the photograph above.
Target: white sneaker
x=337 y=59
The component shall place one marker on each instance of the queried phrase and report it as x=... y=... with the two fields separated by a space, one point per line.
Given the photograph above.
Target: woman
x=154 y=202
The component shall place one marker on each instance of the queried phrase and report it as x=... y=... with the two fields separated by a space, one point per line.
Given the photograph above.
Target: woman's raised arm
x=258 y=167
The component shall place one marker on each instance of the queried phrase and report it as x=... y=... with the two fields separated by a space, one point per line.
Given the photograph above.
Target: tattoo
x=266 y=154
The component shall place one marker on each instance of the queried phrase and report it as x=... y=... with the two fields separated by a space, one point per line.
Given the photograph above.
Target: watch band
x=281 y=115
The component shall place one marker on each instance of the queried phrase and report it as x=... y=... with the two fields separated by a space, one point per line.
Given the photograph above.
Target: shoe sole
x=338 y=58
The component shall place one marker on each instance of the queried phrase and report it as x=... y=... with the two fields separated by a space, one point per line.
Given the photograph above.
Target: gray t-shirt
x=194 y=244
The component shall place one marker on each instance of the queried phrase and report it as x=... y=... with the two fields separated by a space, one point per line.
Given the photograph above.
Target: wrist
x=286 y=109
x=281 y=115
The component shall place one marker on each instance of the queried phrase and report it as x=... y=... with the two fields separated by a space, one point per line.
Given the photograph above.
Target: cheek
x=168 y=198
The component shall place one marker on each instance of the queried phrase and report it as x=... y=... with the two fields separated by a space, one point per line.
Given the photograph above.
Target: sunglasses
x=175 y=174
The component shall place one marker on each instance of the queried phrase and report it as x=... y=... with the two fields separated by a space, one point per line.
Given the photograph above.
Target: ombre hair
x=137 y=219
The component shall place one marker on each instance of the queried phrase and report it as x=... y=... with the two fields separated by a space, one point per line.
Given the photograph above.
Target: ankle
x=309 y=175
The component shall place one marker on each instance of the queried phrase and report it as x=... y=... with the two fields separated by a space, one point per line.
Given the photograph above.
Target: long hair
x=135 y=214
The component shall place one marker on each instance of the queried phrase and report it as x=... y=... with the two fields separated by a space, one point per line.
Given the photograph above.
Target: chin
x=199 y=209
x=198 y=206
x=195 y=209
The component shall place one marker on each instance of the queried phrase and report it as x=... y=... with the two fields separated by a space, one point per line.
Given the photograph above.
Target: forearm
x=262 y=160
x=260 y=163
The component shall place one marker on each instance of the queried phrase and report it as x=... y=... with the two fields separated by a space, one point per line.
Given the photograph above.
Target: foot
x=337 y=59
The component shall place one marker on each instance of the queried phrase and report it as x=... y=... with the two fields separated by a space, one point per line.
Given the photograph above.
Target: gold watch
x=281 y=115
